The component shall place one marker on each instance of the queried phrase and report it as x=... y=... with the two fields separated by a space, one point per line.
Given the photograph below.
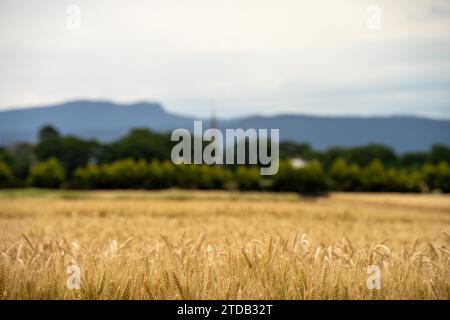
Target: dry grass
x=214 y=245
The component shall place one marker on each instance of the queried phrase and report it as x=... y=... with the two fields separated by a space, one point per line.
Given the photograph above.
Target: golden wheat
x=218 y=245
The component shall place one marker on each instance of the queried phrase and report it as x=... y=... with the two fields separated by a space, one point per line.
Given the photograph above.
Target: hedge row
x=312 y=179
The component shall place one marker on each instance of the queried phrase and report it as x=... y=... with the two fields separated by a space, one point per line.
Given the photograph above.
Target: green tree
x=439 y=154
x=345 y=177
x=362 y=156
x=374 y=177
x=90 y=177
x=284 y=180
x=413 y=159
x=220 y=177
x=437 y=177
x=159 y=175
x=22 y=157
x=443 y=176
x=6 y=176
x=126 y=174
x=48 y=174
x=71 y=151
x=310 y=180
x=47 y=132
x=139 y=144
x=291 y=149
x=248 y=178
x=5 y=156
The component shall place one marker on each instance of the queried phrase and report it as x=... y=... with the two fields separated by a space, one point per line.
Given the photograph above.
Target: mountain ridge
x=106 y=121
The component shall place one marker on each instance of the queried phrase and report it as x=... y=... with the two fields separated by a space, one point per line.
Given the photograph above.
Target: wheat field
x=222 y=245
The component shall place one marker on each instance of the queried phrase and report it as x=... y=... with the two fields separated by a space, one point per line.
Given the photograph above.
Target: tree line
x=141 y=160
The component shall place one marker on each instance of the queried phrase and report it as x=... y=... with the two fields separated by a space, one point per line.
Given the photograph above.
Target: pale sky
x=239 y=57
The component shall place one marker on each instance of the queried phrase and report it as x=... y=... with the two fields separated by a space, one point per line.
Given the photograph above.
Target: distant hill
x=107 y=121
x=102 y=120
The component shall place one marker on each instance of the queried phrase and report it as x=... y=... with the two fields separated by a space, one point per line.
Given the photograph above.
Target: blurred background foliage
x=141 y=160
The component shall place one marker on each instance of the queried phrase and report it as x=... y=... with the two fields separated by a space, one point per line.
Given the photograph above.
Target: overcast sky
x=236 y=56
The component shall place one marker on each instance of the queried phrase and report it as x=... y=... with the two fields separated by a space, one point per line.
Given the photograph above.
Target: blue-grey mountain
x=107 y=121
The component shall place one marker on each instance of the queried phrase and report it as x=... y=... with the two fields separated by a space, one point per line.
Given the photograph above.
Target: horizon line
x=230 y=118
